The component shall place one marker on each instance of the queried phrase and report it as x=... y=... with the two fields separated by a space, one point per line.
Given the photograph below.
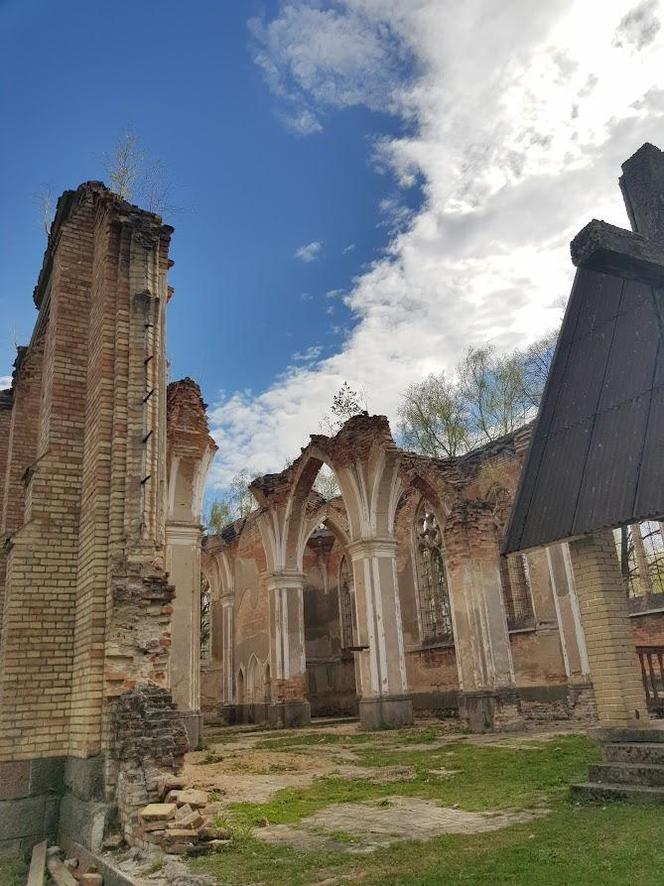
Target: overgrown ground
x=13 y=871
x=609 y=845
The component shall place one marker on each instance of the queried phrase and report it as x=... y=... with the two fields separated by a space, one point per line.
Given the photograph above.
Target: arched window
x=517 y=596
x=433 y=596
x=346 y=604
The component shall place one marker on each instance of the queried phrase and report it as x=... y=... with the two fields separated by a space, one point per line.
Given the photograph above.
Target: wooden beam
x=37 y=870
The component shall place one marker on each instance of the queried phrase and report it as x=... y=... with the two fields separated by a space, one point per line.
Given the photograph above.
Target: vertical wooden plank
x=37 y=865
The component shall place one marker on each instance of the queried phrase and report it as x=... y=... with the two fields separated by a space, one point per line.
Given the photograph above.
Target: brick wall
x=603 y=604
x=88 y=605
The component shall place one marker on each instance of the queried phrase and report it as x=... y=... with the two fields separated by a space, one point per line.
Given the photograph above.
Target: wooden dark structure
x=596 y=459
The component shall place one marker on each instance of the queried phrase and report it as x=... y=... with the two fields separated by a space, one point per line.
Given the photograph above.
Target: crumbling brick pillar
x=488 y=698
x=381 y=664
x=149 y=743
x=289 y=705
x=619 y=692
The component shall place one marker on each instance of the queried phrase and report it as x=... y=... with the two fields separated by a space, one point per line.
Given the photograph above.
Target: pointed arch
x=241 y=686
x=433 y=598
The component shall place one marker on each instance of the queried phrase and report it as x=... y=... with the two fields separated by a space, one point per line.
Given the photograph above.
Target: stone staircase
x=632 y=767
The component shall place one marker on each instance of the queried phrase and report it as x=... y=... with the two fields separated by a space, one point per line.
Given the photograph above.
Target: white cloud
x=519 y=116
x=310 y=252
x=5 y=381
x=349 y=248
x=311 y=354
x=315 y=59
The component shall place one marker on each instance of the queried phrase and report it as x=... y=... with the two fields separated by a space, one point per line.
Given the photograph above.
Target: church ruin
x=386 y=600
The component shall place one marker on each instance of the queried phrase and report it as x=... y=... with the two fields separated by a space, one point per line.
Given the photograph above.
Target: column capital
x=183 y=533
x=285 y=579
x=228 y=600
x=364 y=548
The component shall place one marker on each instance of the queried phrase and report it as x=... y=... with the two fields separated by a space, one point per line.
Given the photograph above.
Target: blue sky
x=431 y=159
x=75 y=74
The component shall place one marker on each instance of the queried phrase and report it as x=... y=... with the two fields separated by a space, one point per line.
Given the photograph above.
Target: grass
x=573 y=844
x=13 y=870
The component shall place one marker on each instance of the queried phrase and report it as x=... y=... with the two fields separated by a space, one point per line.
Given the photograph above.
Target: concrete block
x=85 y=777
x=47 y=776
x=51 y=816
x=14 y=779
x=83 y=821
x=22 y=818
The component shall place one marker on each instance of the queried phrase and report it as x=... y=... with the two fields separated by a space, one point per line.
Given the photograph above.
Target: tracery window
x=433 y=596
x=517 y=595
x=346 y=604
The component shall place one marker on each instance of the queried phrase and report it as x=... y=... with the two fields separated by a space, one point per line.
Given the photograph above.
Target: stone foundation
x=388 y=712
x=491 y=710
x=288 y=714
x=193 y=724
x=30 y=792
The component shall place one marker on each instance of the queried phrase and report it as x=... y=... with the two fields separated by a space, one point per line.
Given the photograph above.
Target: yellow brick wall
x=614 y=666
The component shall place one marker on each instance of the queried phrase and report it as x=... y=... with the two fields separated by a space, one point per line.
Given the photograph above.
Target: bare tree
x=345 y=404
x=124 y=164
x=492 y=395
x=205 y=618
x=44 y=200
x=237 y=502
x=433 y=417
x=326 y=483
x=536 y=365
x=219 y=516
x=133 y=175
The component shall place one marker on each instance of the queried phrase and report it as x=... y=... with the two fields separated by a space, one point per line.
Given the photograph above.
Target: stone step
x=628 y=773
x=606 y=792
x=633 y=752
x=323 y=722
x=625 y=734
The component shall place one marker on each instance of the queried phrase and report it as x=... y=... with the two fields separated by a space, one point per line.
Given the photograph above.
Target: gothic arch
x=365 y=462
x=434 y=610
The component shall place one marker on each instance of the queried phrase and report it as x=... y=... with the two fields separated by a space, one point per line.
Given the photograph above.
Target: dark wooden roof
x=596 y=458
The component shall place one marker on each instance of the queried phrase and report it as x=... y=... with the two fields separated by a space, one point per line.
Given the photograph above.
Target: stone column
x=384 y=698
x=289 y=705
x=227 y=647
x=488 y=698
x=572 y=639
x=183 y=563
x=581 y=698
x=541 y=590
x=613 y=662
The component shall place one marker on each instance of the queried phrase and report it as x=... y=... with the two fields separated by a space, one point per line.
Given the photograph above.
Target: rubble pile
x=183 y=823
